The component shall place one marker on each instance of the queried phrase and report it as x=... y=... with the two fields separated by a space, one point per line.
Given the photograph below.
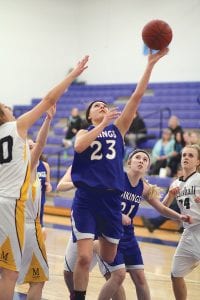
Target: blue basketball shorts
x=97 y=212
x=128 y=256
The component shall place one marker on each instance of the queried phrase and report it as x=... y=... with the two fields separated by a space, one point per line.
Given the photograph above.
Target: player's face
x=97 y=111
x=7 y=112
x=140 y=163
x=189 y=159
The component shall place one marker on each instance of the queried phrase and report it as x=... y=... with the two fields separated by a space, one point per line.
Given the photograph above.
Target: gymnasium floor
x=157 y=248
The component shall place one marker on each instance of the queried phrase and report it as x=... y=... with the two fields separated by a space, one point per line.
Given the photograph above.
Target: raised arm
x=124 y=121
x=66 y=184
x=171 y=194
x=29 y=118
x=160 y=207
x=42 y=137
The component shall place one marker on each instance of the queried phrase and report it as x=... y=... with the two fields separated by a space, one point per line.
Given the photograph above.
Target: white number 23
x=97 y=153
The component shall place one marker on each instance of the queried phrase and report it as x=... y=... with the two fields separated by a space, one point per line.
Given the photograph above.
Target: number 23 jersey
x=189 y=190
x=101 y=164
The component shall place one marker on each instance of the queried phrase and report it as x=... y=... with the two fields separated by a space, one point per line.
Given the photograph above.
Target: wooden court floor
x=157 y=249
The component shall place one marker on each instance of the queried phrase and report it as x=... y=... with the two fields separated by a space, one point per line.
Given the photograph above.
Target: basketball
x=157 y=34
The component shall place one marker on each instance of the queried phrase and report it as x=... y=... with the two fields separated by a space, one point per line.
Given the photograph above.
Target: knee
x=108 y=257
x=175 y=279
x=84 y=261
x=118 y=276
x=140 y=280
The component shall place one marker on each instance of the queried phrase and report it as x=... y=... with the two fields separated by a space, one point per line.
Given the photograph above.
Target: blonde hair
x=197 y=148
x=154 y=191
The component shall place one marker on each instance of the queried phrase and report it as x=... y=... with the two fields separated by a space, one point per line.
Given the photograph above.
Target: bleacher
x=160 y=101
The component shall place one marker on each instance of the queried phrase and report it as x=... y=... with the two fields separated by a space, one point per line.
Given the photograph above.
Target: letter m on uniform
x=36 y=272
x=4 y=256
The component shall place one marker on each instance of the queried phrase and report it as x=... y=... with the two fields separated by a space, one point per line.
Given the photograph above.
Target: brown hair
x=1 y=115
x=88 y=110
x=136 y=151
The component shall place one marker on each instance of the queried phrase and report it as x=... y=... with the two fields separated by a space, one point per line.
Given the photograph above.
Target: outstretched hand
x=173 y=191
x=153 y=58
x=80 y=67
x=197 y=199
x=186 y=218
x=111 y=115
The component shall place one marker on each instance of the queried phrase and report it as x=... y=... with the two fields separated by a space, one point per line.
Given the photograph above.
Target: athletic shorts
x=187 y=255
x=71 y=255
x=128 y=256
x=97 y=212
x=11 y=233
x=34 y=267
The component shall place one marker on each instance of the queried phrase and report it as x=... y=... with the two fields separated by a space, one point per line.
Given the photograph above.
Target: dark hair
x=137 y=151
x=89 y=107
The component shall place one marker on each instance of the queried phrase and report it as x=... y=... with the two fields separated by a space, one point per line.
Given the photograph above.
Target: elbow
x=58 y=188
x=78 y=148
x=50 y=100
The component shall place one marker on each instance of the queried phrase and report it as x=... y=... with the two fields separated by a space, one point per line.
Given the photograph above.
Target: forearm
x=64 y=186
x=143 y=82
x=58 y=90
x=170 y=213
x=43 y=133
x=168 y=199
x=83 y=141
x=126 y=118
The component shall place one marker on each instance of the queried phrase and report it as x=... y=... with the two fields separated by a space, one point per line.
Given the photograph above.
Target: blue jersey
x=130 y=201
x=100 y=166
x=42 y=174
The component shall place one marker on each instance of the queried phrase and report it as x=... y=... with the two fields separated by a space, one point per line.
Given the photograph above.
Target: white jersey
x=14 y=162
x=33 y=202
x=189 y=190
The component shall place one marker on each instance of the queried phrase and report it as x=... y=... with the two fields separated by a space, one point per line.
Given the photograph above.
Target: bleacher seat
x=179 y=97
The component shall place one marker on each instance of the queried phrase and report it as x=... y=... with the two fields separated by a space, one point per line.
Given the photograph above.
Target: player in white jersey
x=34 y=268
x=186 y=190
x=15 y=175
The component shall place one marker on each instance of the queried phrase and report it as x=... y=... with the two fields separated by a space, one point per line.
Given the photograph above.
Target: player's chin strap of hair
x=137 y=151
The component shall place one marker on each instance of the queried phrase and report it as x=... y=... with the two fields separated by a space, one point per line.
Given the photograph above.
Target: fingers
x=197 y=199
x=84 y=61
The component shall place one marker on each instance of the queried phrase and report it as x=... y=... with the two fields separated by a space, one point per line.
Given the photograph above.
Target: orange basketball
x=157 y=34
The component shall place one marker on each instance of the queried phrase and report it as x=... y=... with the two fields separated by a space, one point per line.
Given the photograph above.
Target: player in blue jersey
x=97 y=172
x=66 y=184
x=129 y=256
x=43 y=171
x=135 y=188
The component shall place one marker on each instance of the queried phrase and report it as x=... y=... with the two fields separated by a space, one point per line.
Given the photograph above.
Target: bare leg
x=179 y=288
x=110 y=288
x=35 y=291
x=68 y=276
x=141 y=285
x=7 y=284
x=107 y=250
x=120 y=294
x=82 y=266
